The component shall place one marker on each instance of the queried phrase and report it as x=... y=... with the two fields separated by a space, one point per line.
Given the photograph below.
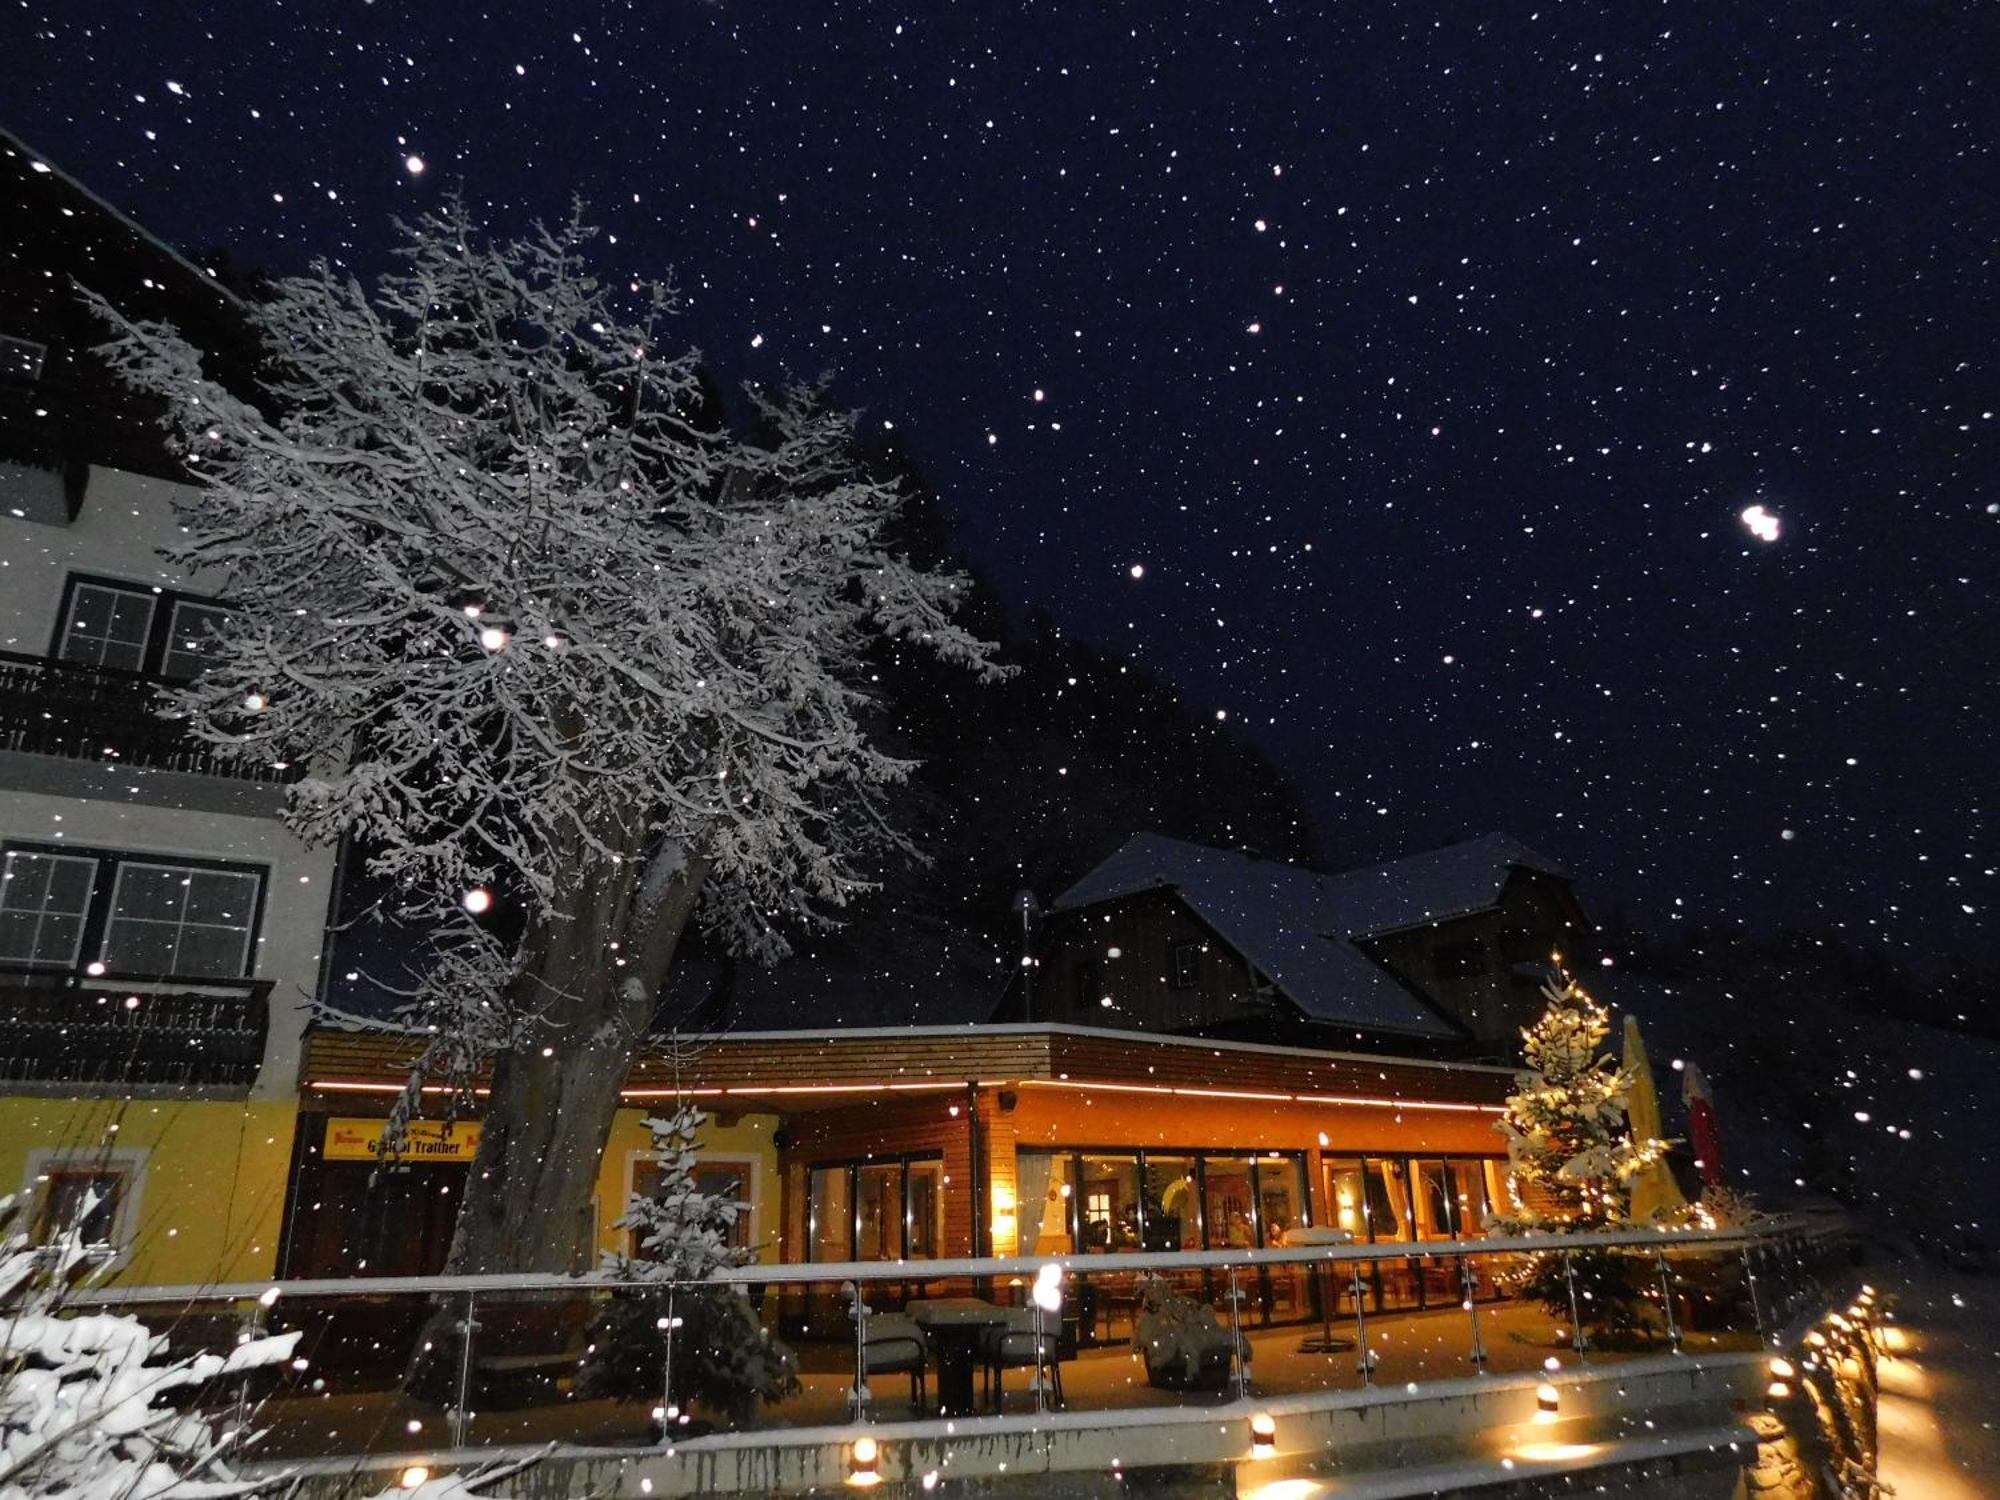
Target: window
x=44 y=901
x=190 y=639
x=108 y=626
x=891 y=1208
x=135 y=628
x=719 y=1179
x=129 y=915
x=21 y=359
x=1164 y=1200
x=1187 y=966
x=95 y=1193
x=83 y=1200
x=174 y=919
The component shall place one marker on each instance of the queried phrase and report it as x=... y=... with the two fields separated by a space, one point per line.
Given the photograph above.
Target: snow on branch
x=515 y=611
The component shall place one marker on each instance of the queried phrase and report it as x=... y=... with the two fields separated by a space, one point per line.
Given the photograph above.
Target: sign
x=423 y=1140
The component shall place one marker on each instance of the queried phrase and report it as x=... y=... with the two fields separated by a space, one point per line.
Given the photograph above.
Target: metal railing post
x=458 y=1415
x=857 y=1395
x=1575 y=1314
x=1239 y=1351
x=668 y=1411
x=1750 y=1278
x=1364 y=1358
x=1469 y=1286
x=1667 y=1302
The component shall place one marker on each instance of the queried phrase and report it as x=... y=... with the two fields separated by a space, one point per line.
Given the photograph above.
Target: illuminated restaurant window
x=876 y=1210
x=1109 y=1186
x=925 y=1215
x=1347 y=1197
x=1229 y=1202
x=832 y=1235
x=1172 y=1203
x=1281 y=1197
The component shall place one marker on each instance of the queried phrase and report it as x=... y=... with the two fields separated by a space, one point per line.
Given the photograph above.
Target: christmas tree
x=1572 y=1158
x=696 y=1339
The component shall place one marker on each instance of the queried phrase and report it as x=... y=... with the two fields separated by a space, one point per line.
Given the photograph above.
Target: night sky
x=1392 y=377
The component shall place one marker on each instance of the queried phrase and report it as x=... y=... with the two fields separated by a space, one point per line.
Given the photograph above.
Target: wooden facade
x=955 y=1107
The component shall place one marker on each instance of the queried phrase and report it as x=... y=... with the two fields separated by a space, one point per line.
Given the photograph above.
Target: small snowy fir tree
x=712 y=1352
x=1572 y=1158
x=549 y=643
x=82 y=1409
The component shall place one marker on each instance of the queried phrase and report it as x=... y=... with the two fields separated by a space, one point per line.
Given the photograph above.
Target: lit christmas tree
x=1572 y=1159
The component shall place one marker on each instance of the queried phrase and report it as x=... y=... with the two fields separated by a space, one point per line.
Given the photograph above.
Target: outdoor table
x=953 y=1325
x=1326 y=1341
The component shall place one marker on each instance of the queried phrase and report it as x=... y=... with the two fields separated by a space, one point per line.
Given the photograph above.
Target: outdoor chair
x=895 y=1345
x=1015 y=1345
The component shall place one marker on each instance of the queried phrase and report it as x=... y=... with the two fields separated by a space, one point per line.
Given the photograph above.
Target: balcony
x=59 y=1028
x=98 y=714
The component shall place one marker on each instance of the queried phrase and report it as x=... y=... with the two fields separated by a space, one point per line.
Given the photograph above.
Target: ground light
x=1782 y=1373
x=1263 y=1435
x=1548 y=1402
x=861 y=1460
x=413 y=1477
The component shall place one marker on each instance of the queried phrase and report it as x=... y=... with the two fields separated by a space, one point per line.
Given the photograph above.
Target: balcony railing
x=421 y=1370
x=52 y=707
x=57 y=1028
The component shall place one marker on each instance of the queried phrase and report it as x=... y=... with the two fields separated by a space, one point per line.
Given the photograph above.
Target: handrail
x=1790 y=1226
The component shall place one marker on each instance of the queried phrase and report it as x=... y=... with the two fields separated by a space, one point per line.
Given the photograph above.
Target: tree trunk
x=591 y=977
x=592 y=974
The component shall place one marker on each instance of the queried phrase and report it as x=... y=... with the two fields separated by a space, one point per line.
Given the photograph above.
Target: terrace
x=1495 y=1378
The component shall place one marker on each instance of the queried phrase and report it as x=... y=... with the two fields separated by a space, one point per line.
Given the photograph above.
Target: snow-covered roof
x=1301 y=928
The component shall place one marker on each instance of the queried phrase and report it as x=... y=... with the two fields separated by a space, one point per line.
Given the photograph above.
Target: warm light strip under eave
x=348 y=1086
x=756 y=1090
x=1197 y=1093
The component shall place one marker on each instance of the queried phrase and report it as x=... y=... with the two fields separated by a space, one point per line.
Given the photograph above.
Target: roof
x=1303 y=929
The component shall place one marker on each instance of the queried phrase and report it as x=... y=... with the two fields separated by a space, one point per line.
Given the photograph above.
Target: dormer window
x=22 y=359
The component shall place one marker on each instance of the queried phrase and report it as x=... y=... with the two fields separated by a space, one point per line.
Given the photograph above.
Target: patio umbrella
x=1654 y=1192
x=1701 y=1125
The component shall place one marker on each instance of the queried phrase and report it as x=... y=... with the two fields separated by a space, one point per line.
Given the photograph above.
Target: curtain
x=1031 y=1197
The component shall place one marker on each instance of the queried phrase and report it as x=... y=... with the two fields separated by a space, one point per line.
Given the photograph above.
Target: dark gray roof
x=1300 y=927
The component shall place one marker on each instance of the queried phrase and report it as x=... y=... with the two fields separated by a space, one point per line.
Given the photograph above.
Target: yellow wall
x=212 y=1177
x=748 y=1140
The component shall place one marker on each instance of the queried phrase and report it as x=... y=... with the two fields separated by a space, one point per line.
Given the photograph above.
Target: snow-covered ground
x=1940 y=1413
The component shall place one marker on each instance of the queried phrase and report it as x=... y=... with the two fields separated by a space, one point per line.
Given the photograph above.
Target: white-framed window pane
x=43 y=900
x=190 y=643
x=172 y=919
x=108 y=626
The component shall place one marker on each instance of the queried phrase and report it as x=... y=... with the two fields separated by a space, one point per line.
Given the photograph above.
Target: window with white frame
x=136 y=628
x=190 y=645
x=143 y=916
x=108 y=626
x=44 y=906
x=182 y=920
x=717 y=1176
x=92 y=1193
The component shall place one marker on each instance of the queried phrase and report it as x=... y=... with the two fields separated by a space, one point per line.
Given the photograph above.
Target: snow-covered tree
x=1569 y=1146
x=1572 y=1157
x=541 y=638
x=82 y=1395
x=712 y=1349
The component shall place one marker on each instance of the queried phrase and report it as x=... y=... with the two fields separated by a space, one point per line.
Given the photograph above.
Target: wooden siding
x=767 y=1070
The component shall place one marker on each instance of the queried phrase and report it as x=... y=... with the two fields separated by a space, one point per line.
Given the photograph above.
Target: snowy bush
x=1181 y=1340
x=81 y=1395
